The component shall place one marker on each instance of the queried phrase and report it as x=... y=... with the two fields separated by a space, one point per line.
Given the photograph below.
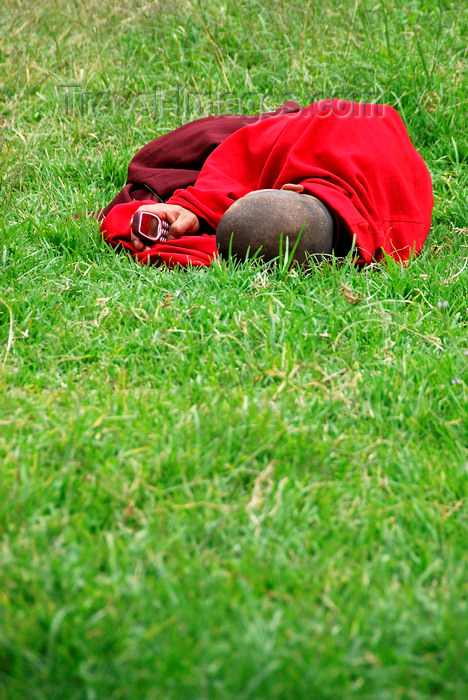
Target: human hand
x=291 y=187
x=181 y=220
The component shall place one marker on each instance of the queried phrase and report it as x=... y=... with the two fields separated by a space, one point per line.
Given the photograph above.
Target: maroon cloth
x=174 y=160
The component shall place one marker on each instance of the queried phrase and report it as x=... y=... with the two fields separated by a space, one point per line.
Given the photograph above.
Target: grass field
x=229 y=483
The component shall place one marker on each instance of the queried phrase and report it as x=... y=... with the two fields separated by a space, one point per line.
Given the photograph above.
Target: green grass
x=241 y=482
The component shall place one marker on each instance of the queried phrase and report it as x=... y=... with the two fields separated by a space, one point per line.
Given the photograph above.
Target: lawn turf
x=239 y=482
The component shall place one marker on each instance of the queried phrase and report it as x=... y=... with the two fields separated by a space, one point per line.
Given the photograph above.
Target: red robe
x=358 y=159
x=174 y=160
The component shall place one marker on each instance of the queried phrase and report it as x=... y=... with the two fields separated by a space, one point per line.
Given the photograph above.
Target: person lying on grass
x=330 y=174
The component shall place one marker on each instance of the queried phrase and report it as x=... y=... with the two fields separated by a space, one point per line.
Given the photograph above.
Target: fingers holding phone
x=148 y=228
x=155 y=223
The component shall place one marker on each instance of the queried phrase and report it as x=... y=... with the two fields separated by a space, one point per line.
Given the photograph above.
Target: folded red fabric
x=188 y=251
x=356 y=158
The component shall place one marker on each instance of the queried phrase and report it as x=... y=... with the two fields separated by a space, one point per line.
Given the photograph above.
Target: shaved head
x=256 y=222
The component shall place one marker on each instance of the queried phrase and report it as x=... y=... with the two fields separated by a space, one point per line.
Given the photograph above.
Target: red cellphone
x=149 y=228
